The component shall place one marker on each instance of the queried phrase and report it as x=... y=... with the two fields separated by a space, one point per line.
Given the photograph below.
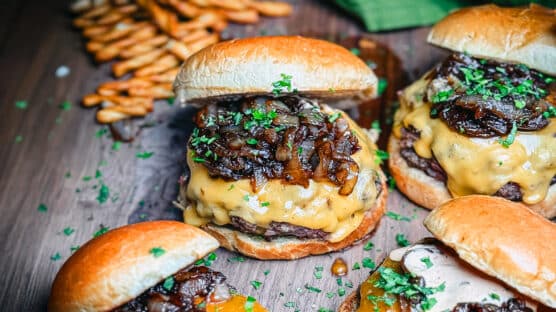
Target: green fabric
x=378 y=15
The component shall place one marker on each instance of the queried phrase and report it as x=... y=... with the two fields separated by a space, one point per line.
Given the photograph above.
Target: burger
x=471 y=265
x=145 y=267
x=275 y=172
x=483 y=120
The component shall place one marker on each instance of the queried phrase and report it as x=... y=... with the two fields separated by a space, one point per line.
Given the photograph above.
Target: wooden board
x=61 y=147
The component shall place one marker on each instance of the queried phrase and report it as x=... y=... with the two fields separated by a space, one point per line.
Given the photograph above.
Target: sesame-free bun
x=287 y=248
x=249 y=67
x=524 y=35
x=118 y=266
x=503 y=239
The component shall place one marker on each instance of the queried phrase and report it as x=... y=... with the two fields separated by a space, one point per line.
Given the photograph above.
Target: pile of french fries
x=149 y=39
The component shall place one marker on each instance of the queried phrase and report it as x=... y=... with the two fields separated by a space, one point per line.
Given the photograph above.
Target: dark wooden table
x=47 y=155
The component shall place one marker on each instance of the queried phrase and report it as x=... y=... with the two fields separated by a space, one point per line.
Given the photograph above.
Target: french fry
x=112 y=50
x=95 y=99
x=194 y=35
x=107 y=92
x=161 y=65
x=179 y=49
x=274 y=9
x=94 y=46
x=110 y=18
x=135 y=110
x=204 y=20
x=92 y=100
x=127 y=9
x=161 y=91
x=120 y=68
x=234 y=5
x=95 y=30
x=249 y=16
x=108 y=115
x=97 y=11
x=123 y=85
x=185 y=9
x=204 y=42
x=220 y=25
x=84 y=5
x=201 y=3
x=166 y=77
x=144 y=46
x=165 y=19
x=83 y=22
x=119 y=30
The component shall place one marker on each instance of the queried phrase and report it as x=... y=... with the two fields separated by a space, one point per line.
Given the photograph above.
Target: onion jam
x=485 y=98
x=262 y=138
x=187 y=290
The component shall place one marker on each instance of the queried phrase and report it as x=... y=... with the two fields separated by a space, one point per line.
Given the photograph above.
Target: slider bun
x=430 y=193
x=351 y=303
x=250 y=66
x=503 y=239
x=292 y=247
x=517 y=35
x=116 y=267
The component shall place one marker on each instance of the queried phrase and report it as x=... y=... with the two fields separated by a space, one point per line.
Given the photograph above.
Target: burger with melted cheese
x=276 y=173
x=473 y=266
x=483 y=121
x=145 y=267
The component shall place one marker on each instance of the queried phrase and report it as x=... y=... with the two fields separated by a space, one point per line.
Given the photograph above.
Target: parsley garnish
x=18 y=138
x=66 y=105
x=355 y=51
x=103 y=194
x=519 y=104
x=42 y=208
x=74 y=248
x=256 y=284
x=56 y=257
x=401 y=240
x=157 y=251
x=116 y=145
x=427 y=262
x=442 y=96
x=236 y=259
x=208 y=260
x=312 y=288
x=509 y=140
x=246 y=198
x=494 y=296
x=299 y=150
x=102 y=231
x=368 y=246
x=368 y=263
x=394 y=216
x=252 y=141
x=144 y=155
x=280 y=85
x=382 y=84
x=375 y=125
x=333 y=117
x=380 y=156
x=249 y=304
x=266 y=272
x=317 y=273
x=356 y=266
x=68 y=231
x=168 y=283
x=265 y=204
x=341 y=291
x=21 y=104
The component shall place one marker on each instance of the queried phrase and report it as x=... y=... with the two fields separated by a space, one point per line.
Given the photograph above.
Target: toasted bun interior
x=251 y=66
x=503 y=239
x=118 y=266
x=517 y=35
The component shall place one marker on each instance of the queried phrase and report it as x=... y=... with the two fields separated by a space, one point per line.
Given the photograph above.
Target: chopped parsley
x=66 y=106
x=236 y=259
x=289 y=304
x=259 y=118
x=103 y=194
x=519 y=104
x=375 y=125
x=332 y=118
x=246 y=198
x=356 y=266
x=368 y=263
x=56 y=257
x=21 y=104
x=144 y=155
x=208 y=260
x=494 y=296
x=355 y=51
x=509 y=140
x=98 y=174
x=284 y=83
x=87 y=178
x=442 y=96
x=252 y=141
x=170 y=100
x=157 y=251
x=341 y=291
x=317 y=272
x=231 y=187
x=42 y=208
x=380 y=156
x=256 y=284
x=382 y=84
x=312 y=288
x=249 y=304
x=266 y=272
x=299 y=150
x=18 y=138
x=103 y=229
x=265 y=204
x=68 y=231
x=74 y=248
x=402 y=240
x=116 y=145
x=427 y=261
x=550 y=113
x=394 y=216
x=168 y=283
x=101 y=132
x=368 y=246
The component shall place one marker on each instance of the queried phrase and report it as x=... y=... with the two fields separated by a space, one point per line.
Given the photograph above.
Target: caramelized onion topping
x=288 y=138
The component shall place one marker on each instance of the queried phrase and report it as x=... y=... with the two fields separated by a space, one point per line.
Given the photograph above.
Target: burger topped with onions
x=483 y=120
x=276 y=173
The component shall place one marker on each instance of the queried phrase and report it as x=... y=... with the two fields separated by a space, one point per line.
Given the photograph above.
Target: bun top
x=503 y=239
x=118 y=266
x=250 y=66
x=516 y=35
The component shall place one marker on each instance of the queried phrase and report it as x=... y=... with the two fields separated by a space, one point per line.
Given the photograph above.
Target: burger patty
x=430 y=166
x=289 y=138
x=184 y=291
x=512 y=305
x=485 y=98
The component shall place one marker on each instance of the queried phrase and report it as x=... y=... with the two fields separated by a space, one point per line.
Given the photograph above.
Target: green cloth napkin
x=379 y=15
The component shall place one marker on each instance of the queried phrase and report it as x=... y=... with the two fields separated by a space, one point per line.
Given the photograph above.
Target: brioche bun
x=503 y=239
x=116 y=267
x=515 y=35
x=250 y=66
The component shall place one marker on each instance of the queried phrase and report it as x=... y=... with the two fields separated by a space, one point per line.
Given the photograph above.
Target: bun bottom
x=430 y=193
x=288 y=248
x=351 y=304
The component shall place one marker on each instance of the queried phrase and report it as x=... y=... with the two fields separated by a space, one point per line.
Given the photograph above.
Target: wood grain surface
x=48 y=153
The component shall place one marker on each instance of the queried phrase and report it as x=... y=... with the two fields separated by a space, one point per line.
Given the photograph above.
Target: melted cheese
x=480 y=165
x=319 y=206
x=236 y=303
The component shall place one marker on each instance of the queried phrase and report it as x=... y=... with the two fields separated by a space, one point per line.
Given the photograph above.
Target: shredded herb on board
x=103 y=194
x=144 y=155
x=42 y=208
x=256 y=284
x=402 y=240
x=249 y=304
x=394 y=216
x=103 y=229
x=21 y=104
x=56 y=257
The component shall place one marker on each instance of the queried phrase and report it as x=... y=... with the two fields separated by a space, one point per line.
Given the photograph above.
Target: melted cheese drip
x=480 y=165
x=236 y=303
x=319 y=206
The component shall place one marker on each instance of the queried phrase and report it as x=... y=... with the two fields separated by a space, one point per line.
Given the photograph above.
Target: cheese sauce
x=319 y=206
x=480 y=165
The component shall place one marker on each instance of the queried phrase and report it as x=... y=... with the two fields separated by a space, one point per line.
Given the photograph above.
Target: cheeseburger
x=483 y=120
x=145 y=267
x=473 y=266
x=276 y=173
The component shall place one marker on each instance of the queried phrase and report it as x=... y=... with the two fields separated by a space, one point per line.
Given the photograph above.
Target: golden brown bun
x=250 y=66
x=116 y=267
x=503 y=239
x=430 y=193
x=351 y=303
x=294 y=248
x=516 y=35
